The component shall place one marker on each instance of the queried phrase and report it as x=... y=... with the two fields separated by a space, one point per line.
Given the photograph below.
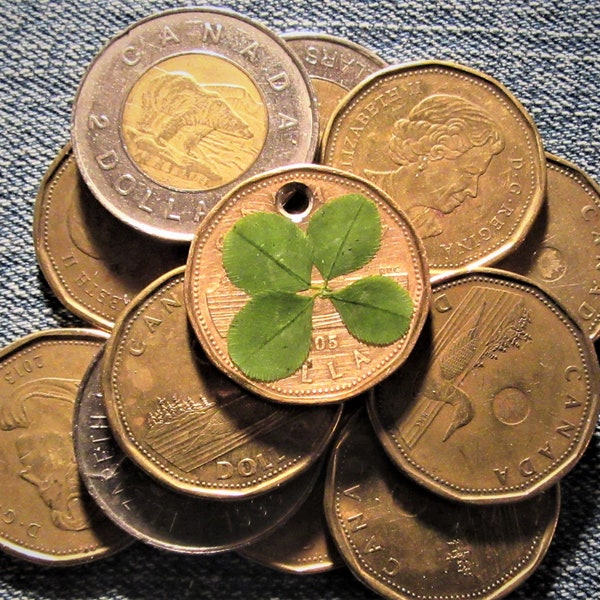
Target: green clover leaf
x=265 y=252
x=269 y=338
x=271 y=259
x=345 y=235
x=375 y=310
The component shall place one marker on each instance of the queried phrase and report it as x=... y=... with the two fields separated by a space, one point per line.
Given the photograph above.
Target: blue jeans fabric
x=546 y=53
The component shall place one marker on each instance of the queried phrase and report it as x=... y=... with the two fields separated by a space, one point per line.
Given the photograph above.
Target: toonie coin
x=180 y=107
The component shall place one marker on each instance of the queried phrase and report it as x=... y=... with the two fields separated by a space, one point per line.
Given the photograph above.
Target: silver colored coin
x=157 y=515
x=183 y=105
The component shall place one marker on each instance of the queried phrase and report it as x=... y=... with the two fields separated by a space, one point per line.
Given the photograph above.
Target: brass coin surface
x=183 y=105
x=159 y=515
x=188 y=425
x=335 y=66
x=47 y=517
x=409 y=544
x=453 y=148
x=500 y=397
x=303 y=544
x=92 y=261
x=338 y=365
x=559 y=253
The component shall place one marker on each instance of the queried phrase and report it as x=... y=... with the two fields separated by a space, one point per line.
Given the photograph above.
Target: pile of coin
x=300 y=351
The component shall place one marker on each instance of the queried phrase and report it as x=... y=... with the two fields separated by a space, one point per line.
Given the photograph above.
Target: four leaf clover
x=271 y=259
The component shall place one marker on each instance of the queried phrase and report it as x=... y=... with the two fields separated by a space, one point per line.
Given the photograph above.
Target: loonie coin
x=409 y=544
x=180 y=107
x=335 y=66
x=46 y=515
x=92 y=261
x=500 y=397
x=186 y=424
x=337 y=364
x=158 y=515
x=559 y=253
x=303 y=544
x=453 y=148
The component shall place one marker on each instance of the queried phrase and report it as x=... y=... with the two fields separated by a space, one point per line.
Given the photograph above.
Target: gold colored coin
x=303 y=544
x=338 y=365
x=159 y=515
x=183 y=105
x=406 y=543
x=92 y=261
x=158 y=120
x=559 y=253
x=335 y=66
x=47 y=515
x=499 y=399
x=454 y=149
x=186 y=424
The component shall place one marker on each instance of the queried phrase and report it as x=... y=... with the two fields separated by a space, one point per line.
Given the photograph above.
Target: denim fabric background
x=546 y=53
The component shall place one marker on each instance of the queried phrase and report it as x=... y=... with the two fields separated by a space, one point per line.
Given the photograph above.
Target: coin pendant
x=337 y=365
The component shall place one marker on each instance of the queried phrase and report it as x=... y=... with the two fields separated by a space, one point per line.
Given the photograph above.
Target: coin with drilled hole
x=304 y=310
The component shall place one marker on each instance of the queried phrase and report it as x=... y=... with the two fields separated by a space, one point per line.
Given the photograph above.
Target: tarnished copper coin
x=92 y=261
x=453 y=148
x=47 y=517
x=158 y=515
x=499 y=399
x=337 y=365
x=559 y=253
x=335 y=66
x=409 y=544
x=186 y=424
x=303 y=544
x=183 y=105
